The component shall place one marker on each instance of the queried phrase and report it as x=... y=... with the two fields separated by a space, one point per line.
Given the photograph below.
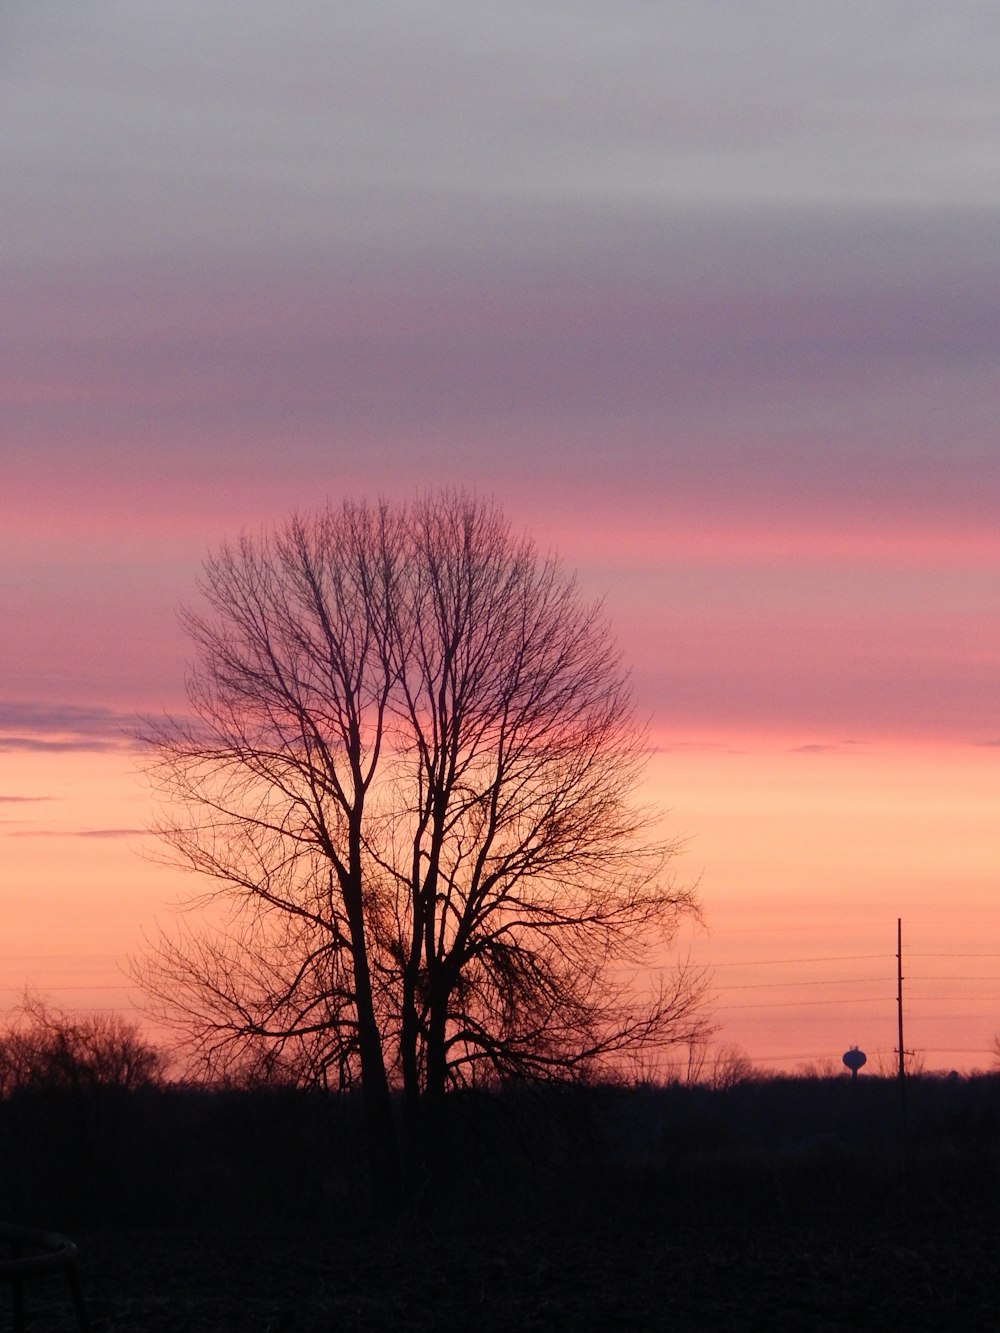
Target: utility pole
x=901 y=1123
x=899 y=1003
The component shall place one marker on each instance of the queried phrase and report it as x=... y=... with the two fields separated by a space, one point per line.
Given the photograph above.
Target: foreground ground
x=798 y=1205
x=711 y=1279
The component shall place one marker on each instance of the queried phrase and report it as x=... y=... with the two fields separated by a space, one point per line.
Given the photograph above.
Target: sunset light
x=500 y=670
x=723 y=339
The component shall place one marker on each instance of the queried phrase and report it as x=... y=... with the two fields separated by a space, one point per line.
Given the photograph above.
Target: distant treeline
x=77 y=1153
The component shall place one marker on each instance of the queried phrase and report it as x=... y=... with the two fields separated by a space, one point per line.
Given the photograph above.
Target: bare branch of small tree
x=44 y=1048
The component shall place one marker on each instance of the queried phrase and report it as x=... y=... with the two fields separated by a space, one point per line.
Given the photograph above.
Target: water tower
x=854 y=1059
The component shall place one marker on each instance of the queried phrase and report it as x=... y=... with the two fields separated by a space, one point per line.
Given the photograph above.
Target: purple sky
x=723 y=279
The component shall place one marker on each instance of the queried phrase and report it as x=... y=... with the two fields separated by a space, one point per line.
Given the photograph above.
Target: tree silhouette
x=410 y=773
x=43 y=1048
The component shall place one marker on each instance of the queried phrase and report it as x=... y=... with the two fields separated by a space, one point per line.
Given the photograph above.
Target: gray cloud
x=309 y=121
x=80 y=833
x=837 y=358
x=754 y=246
x=63 y=728
x=32 y=744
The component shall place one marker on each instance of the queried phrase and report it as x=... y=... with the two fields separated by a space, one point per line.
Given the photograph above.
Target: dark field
x=708 y=1278
x=787 y=1204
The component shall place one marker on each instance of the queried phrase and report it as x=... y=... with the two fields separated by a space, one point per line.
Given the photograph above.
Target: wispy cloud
x=34 y=744
x=63 y=728
x=80 y=833
x=675 y=747
x=824 y=747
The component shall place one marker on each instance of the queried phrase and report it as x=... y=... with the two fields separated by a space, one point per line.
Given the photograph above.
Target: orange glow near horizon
x=805 y=858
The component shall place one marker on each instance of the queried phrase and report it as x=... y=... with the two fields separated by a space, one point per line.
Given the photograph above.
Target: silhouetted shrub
x=46 y=1049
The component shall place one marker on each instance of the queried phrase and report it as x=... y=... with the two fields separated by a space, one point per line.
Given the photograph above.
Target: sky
x=705 y=295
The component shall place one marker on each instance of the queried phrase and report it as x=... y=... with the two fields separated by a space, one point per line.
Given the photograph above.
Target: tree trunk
x=437 y=1056
x=430 y=1137
x=380 y=1128
x=409 y=1038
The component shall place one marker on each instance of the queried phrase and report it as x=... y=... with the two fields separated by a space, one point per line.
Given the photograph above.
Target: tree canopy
x=410 y=776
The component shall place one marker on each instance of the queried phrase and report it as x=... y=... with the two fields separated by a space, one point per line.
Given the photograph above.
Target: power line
x=786 y=962
x=801 y=1004
x=58 y=957
x=966 y=978
x=954 y=955
x=768 y=985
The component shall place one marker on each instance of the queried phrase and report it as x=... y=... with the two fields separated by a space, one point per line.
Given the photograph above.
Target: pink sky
x=707 y=300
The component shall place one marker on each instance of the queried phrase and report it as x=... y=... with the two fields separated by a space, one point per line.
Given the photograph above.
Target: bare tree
x=410 y=775
x=43 y=1048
